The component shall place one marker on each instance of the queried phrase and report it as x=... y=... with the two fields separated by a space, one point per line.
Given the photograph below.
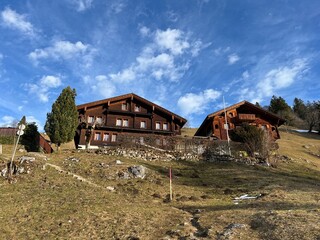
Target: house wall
x=219 y=131
x=130 y=111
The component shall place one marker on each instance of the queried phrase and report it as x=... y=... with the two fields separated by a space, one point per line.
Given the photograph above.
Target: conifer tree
x=30 y=139
x=62 y=121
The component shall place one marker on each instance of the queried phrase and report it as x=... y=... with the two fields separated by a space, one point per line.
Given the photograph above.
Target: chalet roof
x=131 y=96
x=271 y=116
x=7 y=131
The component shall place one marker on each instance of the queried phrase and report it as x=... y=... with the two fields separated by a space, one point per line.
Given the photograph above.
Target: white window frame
x=97 y=136
x=90 y=119
x=118 y=122
x=106 y=137
x=124 y=106
x=158 y=125
x=99 y=120
x=165 y=126
x=137 y=108
x=125 y=122
x=113 y=137
x=143 y=124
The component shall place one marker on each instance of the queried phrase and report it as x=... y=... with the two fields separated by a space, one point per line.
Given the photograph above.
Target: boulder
x=137 y=171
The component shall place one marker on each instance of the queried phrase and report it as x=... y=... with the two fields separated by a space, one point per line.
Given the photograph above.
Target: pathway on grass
x=78 y=177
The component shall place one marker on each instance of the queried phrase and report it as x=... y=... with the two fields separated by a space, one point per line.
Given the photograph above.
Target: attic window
x=124 y=106
x=99 y=120
x=90 y=119
x=137 y=108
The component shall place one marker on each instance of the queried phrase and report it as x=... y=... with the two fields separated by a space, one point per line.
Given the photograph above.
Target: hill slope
x=79 y=195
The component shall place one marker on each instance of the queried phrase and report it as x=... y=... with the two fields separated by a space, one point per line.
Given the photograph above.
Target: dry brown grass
x=47 y=204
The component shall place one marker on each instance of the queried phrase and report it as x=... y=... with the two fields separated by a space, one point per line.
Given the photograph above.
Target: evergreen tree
x=30 y=139
x=299 y=108
x=278 y=105
x=62 y=121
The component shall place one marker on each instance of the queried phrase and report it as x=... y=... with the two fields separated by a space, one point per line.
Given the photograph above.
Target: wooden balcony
x=246 y=117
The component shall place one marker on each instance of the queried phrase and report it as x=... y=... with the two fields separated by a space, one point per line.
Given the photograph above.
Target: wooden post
x=170 y=175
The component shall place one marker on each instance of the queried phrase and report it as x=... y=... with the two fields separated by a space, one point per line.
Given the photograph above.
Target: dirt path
x=78 y=177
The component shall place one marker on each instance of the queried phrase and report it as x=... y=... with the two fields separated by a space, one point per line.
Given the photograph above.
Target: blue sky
x=184 y=55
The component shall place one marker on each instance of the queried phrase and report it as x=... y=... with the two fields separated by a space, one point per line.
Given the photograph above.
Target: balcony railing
x=246 y=117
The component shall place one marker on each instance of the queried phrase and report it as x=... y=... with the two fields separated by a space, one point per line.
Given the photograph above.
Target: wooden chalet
x=106 y=120
x=215 y=125
x=11 y=132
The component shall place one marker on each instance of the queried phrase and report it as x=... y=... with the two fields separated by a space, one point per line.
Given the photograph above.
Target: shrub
x=255 y=140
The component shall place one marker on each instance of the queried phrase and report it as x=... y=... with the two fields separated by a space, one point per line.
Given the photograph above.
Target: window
x=106 y=137
x=125 y=123
x=216 y=126
x=124 y=106
x=119 y=122
x=143 y=124
x=90 y=119
x=99 y=120
x=137 y=108
x=158 y=125
x=114 y=138
x=165 y=126
x=122 y=122
x=231 y=114
x=97 y=136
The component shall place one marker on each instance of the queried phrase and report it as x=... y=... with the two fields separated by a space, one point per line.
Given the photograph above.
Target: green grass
x=47 y=204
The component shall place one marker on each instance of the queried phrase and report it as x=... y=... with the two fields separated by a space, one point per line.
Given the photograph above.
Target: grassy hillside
x=79 y=195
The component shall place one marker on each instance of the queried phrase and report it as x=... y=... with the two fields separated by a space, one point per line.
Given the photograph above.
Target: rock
x=73 y=159
x=112 y=189
x=26 y=159
x=138 y=171
x=4 y=172
x=118 y=162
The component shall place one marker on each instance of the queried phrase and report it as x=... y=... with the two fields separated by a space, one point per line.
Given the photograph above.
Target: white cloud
x=117 y=7
x=172 y=40
x=14 y=20
x=8 y=121
x=104 y=86
x=144 y=31
x=165 y=58
x=233 y=58
x=192 y=103
x=81 y=5
x=65 y=50
x=274 y=80
x=43 y=87
x=32 y=119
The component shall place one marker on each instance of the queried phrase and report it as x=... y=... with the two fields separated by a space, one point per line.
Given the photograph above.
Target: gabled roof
x=273 y=117
x=131 y=96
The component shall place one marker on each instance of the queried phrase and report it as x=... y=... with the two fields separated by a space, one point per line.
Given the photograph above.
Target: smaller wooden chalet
x=244 y=112
x=11 y=132
x=106 y=121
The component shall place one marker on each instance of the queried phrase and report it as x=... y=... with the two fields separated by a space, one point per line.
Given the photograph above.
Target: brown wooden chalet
x=11 y=132
x=244 y=112
x=128 y=114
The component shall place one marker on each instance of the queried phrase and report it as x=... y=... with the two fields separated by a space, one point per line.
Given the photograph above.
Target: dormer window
x=124 y=106
x=137 y=108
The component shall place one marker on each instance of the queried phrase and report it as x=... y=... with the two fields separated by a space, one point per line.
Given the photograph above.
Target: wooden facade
x=244 y=112
x=131 y=114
